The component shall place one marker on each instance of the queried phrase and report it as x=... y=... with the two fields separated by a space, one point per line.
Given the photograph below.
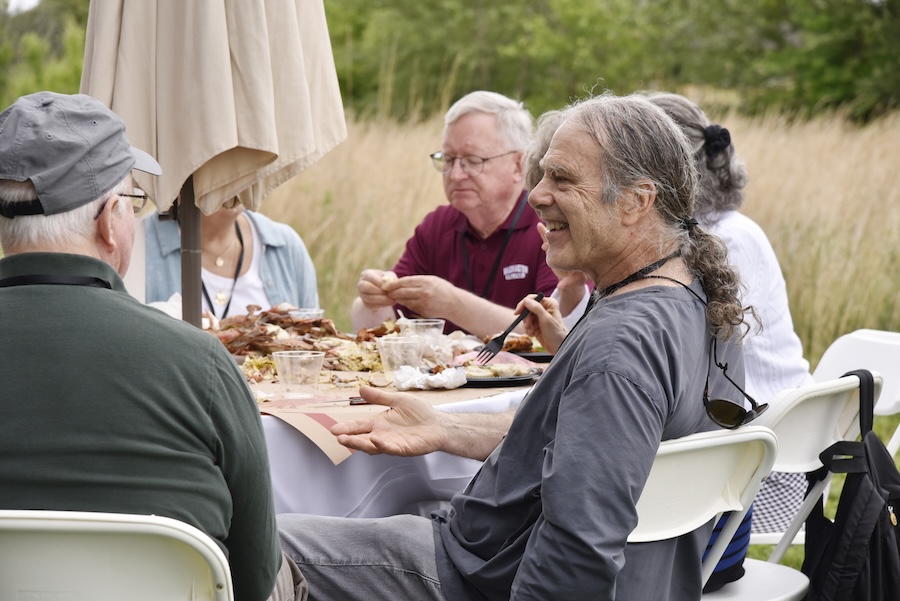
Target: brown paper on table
x=314 y=420
x=314 y=417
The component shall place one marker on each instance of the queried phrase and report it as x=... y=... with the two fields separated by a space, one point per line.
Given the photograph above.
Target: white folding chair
x=875 y=350
x=108 y=557
x=807 y=420
x=696 y=478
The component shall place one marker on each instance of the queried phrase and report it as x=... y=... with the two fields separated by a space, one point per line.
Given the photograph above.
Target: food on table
x=501 y=357
x=257 y=369
x=503 y=365
x=515 y=343
x=260 y=333
x=387 y=278
x=497 y=370
x=253 y=337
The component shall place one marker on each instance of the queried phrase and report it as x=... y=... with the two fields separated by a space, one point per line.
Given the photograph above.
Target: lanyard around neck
x=465 y=253
x=237 y=272
x=641 y=274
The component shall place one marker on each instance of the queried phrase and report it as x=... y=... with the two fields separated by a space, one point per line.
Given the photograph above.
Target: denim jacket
x=286 y=270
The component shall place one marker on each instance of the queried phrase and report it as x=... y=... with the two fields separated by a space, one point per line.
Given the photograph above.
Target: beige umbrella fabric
x=241 y=94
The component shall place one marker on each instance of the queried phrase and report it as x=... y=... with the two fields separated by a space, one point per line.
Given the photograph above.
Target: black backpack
x=857 y=557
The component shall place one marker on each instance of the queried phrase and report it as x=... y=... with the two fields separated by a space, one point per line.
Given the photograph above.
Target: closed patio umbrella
x=232 y=97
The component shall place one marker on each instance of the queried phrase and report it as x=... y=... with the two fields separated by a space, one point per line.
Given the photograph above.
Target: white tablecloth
x=304 y=480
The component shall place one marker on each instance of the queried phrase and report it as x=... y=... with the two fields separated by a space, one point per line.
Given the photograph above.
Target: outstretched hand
x=410 y=427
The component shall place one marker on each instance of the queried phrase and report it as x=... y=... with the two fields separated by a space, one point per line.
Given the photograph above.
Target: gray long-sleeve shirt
x=548 y=515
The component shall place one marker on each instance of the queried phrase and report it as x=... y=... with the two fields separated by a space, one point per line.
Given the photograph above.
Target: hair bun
x=716 y=139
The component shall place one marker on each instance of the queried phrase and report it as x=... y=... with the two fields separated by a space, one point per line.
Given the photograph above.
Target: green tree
x=842 y=53
x=42 y=49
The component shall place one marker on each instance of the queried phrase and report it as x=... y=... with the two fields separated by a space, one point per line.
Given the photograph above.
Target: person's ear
x=520 y=167
x=640 y=202
x=106 y=224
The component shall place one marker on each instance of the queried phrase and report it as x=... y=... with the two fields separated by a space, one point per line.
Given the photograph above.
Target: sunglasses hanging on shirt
x=724 y=412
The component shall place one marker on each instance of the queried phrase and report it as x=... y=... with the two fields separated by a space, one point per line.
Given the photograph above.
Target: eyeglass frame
x=756 y=409
x=439 y=162
x=136 y=207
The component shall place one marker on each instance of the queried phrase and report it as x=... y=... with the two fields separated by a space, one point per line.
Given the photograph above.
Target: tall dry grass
x=358 y=205
x=827 y=194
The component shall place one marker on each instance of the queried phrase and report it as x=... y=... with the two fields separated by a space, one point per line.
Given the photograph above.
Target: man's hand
x=427 y=295
x=410 y=427
x=372 y=287
x=544 y=322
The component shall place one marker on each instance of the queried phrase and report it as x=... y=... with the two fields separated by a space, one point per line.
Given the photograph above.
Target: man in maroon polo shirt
x=469 y=262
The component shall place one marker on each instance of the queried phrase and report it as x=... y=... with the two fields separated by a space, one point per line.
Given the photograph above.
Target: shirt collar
x=60 y=264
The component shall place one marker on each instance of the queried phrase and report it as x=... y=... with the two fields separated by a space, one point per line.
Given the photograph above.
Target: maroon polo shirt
x=436 y=248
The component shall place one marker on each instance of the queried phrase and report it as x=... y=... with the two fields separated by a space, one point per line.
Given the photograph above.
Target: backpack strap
x=846 y=456
x=836 y=553
x=866 y=399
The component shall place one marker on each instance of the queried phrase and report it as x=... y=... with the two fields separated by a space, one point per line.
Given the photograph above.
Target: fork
x=490 y=350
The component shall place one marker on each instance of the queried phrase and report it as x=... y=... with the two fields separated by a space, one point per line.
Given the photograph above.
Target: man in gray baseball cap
x=72 y=148
x=114 y=406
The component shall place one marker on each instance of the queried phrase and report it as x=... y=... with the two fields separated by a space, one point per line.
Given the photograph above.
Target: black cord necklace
x=637 y=275
x=237 y=272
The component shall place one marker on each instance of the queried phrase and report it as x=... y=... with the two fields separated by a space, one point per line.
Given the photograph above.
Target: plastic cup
x=298 y=372
x=397 y=351
x=429 y=329
x=308 y=313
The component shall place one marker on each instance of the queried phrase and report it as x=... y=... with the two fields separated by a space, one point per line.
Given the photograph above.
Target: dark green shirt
x=109 y=405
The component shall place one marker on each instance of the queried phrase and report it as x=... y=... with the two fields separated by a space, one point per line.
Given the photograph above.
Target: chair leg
x=894 y=443
x=793 y=528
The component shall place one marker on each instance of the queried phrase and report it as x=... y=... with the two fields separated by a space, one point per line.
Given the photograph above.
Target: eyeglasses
x=138 y=200
x=470 y=164
x=726 y=413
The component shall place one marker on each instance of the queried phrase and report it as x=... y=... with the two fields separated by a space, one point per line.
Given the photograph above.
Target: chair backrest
x=809 y=419
x=875 y=350
x=698 y=477
x=108 y=557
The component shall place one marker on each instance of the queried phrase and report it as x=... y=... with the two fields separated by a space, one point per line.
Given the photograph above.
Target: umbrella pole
x=189 y=216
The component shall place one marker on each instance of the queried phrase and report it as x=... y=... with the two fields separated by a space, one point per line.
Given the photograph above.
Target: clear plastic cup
x=429 y=329
x=308 y=313
x=397 y=351
x=298 y=372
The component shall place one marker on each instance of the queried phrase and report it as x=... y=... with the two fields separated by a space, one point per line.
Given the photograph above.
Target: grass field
x=827 y=194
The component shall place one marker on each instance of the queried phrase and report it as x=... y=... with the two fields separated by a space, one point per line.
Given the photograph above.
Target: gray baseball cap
x=72 y=148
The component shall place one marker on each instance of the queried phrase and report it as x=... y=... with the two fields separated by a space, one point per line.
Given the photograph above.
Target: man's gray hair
x=69 y=228
x=639 y=142
x=514 y=122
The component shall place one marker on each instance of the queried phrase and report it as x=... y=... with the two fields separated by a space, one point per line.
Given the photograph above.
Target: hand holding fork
x=490 y=350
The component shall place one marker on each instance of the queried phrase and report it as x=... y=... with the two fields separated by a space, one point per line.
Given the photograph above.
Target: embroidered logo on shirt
x=515 y=272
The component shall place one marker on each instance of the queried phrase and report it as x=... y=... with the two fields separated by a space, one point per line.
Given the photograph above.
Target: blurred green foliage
x=407 y=58
x=42 y=49
x=411 y=59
